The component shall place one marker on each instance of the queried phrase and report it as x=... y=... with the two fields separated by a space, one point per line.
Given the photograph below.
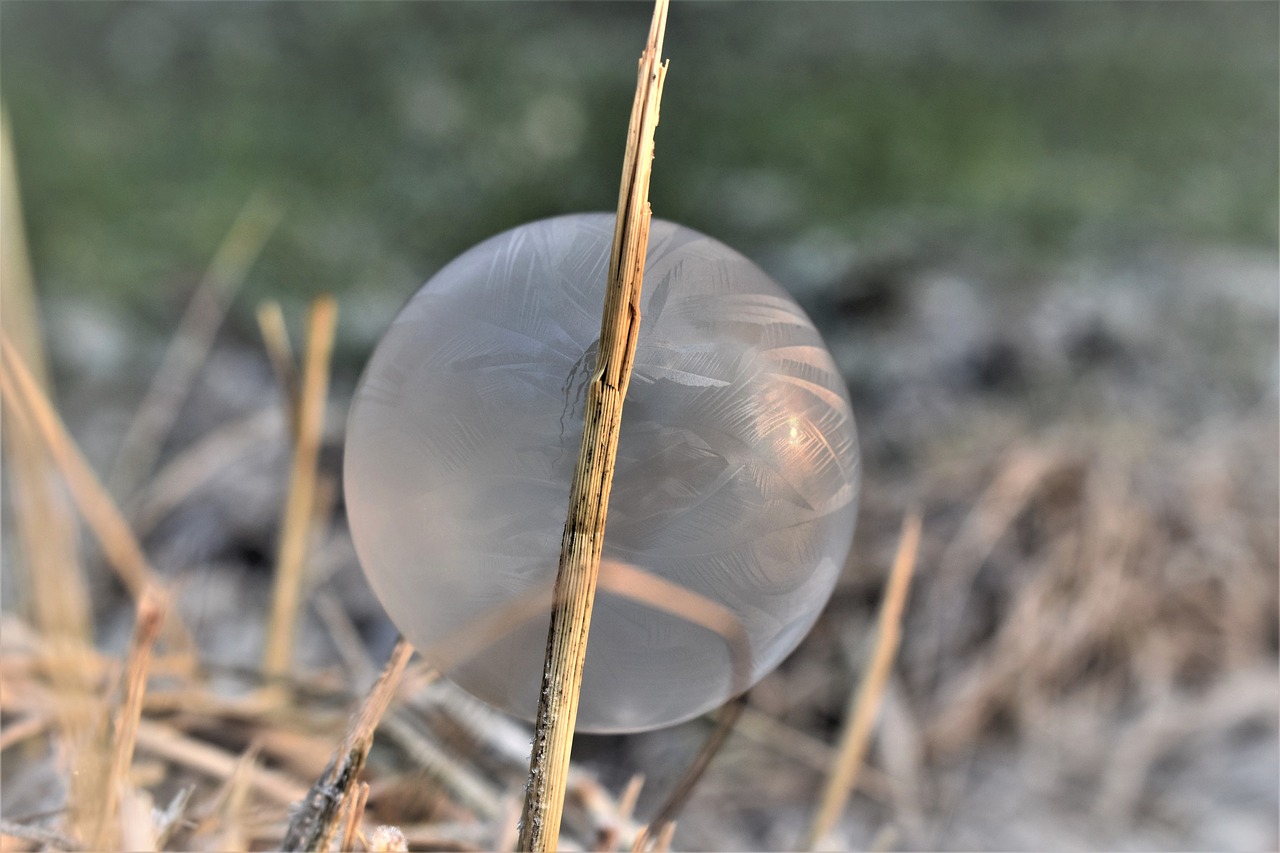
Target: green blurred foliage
x=397 y=134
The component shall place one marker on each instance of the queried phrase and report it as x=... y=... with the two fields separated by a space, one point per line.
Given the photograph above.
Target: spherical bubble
x=733 y=498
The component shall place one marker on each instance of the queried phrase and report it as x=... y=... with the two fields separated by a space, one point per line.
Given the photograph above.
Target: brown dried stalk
x=55 y=592
x=295 y=534
x=316 y=822
x=275 y=338
x=865 y=701
x=589 y=496
x=192 y=342
x=174 y=746
x=666 y=817
x=354 y=815
x=118 y=542
x=151 y=609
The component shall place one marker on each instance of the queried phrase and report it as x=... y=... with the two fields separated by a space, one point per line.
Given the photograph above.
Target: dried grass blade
x=53 y=581
x=151 y=610
x=354 y=816
x=192 y=342
x=314 y=824
x=666 y=817
x=172 y=745
x=589 y=495
x=199 y=464
x=295 y=533
x=275 y=338
x=24 y=729
x=18 y=307
x=865 y=701
x=118 y=543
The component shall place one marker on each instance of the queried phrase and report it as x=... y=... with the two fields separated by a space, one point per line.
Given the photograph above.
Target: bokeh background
x=1041 y=240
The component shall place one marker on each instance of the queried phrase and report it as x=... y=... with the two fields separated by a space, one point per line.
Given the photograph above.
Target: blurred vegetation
x=398 y=134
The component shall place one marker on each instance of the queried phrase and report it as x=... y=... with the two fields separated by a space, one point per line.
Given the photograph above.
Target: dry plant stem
x=46 y=838
x=191 y=343
x=300 y=502
x=174 y=746
x=54 y=587
x=275 y=338
x=118 y=543
x=19 y=314
x=664 y=838
x=865 y=702
x=355 y=814
x=198 y=464
x=316 y=821
x=589 y=495
x=23 y=730
x=725 y=721
x=150 y=617
x=235 y=796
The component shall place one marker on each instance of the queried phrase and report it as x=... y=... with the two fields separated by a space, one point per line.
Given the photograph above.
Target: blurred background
x=1040 y=239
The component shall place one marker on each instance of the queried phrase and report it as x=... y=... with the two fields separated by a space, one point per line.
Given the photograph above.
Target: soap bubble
x=733 y=498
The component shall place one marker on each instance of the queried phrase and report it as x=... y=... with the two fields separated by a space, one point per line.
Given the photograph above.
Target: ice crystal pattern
x=733 y=499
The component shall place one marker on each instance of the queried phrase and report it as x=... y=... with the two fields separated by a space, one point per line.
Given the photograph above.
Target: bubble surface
x=733 y=499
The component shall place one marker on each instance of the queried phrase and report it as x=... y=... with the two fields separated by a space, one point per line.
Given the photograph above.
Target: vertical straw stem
x=295 y=531
x=864 y=703
x=583 y=540
x=151 y=609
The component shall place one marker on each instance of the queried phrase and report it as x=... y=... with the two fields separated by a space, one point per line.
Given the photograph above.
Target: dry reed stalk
x=24 y=729
x=223 y=814
x=463 y=784
x=1021 y=473
x=192 y=342
x=168 y=821
x=173 y=746
x=317 y=818
x=619 y=578
x=589 y=496
x=151 y=610
x=275 y=339
x=46 y=838
x=583 y=540
x=19 y=315
x=623 y=810
x=198 y=464
x=865 y=701
x=118 y=543
x=354 y=817
x=346 y=638
x=295 y=534
x=55 y=593
x=666 y=816
x=663 y=842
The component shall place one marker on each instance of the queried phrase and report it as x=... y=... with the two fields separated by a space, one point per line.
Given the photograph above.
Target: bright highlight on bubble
x=733 y=498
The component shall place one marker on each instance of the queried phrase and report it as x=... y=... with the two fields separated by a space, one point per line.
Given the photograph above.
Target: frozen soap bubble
x=733 y=499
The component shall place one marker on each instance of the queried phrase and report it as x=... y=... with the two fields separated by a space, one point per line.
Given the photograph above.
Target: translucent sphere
x=733 y=498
